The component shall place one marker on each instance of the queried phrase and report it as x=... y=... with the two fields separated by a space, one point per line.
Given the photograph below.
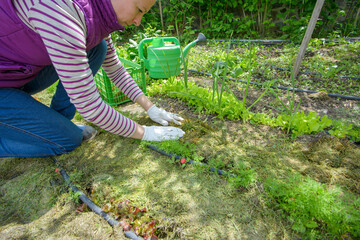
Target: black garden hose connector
x=190 y=161
x=96 y=209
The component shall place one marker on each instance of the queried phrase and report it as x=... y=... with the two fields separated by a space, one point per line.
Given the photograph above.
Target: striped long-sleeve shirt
x=62 y=28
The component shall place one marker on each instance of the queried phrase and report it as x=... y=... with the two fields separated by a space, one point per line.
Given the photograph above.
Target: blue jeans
x=28 y=128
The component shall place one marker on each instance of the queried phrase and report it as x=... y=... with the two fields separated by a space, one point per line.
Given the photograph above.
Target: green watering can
x=164 y=60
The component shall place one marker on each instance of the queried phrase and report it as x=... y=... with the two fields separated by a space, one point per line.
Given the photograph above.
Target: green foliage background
x=285 y=19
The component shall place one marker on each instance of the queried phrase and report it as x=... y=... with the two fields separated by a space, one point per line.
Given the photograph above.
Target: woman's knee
x=17 y=142
x=70 y=139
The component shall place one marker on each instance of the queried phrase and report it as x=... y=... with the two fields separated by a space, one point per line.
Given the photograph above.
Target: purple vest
x=22 y=52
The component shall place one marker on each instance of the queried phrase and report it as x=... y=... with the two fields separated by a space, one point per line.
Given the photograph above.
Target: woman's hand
x=157 y=114
x=163 y=117
x=158 y=133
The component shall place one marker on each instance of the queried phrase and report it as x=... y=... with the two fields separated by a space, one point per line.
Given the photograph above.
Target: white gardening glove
x=163 y=117
x=158 y=134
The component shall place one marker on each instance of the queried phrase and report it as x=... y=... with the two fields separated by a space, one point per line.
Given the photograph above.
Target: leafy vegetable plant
x=313 y=207
x=133 y=218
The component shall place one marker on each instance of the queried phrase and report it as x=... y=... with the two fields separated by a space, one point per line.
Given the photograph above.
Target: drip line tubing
x=96 y=209
x=314 y=73
x=190 y=161
x=281 y=42
x=256 y=41
x=284 y=88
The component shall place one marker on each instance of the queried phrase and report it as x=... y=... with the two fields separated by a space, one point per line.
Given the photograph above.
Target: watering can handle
x=141 y=47
x=171 y=39
x=149 y=40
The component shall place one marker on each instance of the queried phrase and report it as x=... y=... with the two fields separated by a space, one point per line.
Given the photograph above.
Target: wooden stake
x=161 y=16
x=307 y=37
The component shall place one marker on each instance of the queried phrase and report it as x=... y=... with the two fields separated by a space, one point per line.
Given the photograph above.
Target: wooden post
x=161 y=16
x=307 y=37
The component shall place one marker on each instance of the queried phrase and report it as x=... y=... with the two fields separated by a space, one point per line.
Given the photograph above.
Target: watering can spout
x=201 y=38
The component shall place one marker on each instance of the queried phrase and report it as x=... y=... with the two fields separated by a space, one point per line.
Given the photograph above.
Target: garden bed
x=335 y=107
x=285 y=188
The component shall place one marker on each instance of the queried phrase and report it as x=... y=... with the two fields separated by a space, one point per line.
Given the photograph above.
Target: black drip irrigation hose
x=256 y=41
x=282 y=42
x=190 y=161
x=284 y=88
x=96 y=209
x=314 y=73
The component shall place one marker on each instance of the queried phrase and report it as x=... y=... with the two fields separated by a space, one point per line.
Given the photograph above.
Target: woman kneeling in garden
x=42 y=41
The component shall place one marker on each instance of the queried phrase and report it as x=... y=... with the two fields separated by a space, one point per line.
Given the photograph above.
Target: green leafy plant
x=340 y=129
x=217 y=79
x=186 y=62
x=297 y=123
x=246 y=114
x=73 y=196
x=300 y=123
x=244 y=176
x=183 y=149
x=354 y=134
x=133 y=218
x=313 y=208
x=291 y=110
